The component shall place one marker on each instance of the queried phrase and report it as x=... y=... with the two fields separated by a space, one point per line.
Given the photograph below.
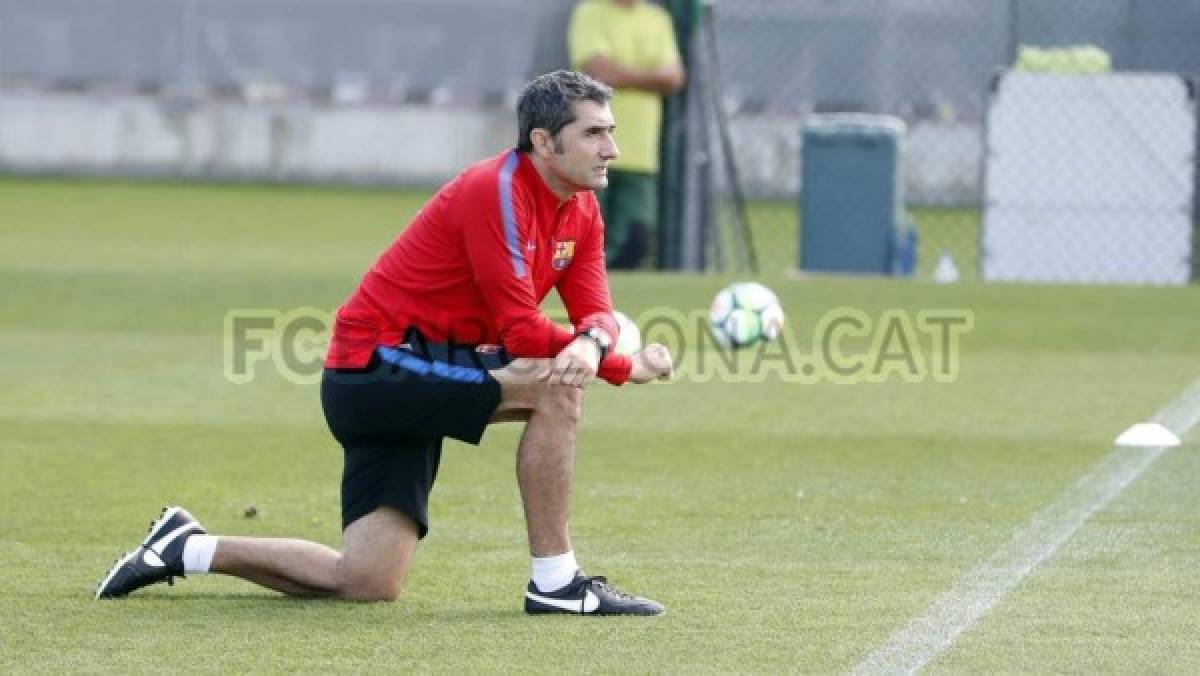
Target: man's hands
x=652 y=363
x=577 y=363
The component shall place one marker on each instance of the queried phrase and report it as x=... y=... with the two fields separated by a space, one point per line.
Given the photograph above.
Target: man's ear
x=543 y=142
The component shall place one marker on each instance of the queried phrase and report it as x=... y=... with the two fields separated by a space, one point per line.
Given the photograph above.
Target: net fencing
x=461 y=52
x=776 y=65
x=939 y=68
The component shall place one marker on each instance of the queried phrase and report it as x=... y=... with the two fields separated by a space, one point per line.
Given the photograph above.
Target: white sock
x=198 y=553
x=554 y=572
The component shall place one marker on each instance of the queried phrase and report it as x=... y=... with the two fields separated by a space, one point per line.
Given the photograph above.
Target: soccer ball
x=745 y=314
x=630 y=340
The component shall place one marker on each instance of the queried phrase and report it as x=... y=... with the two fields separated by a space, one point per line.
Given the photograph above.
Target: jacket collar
x=541 y=192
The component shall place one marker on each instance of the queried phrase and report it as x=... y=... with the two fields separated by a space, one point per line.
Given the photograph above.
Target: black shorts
x=391 y=417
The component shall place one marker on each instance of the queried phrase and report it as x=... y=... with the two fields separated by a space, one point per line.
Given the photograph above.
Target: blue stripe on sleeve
x=421 y=367
x=510 y=218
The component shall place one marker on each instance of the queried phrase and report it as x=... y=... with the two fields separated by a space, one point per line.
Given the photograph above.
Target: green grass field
x=787 y=527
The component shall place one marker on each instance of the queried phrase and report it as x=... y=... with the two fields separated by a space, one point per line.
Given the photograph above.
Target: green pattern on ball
x=744 y=314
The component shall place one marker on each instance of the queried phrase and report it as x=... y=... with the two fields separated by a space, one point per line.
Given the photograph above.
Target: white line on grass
x=918 y=643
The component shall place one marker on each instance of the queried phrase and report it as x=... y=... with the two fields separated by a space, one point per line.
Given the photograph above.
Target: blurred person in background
x=629 y=45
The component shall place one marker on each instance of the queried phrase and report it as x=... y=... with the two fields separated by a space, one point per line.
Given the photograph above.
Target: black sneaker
x=588 y=596
x=158 y=558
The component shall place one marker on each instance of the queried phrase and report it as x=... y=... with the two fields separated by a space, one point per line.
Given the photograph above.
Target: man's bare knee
x=561 y=400
x=378 y=550
x=520 y=399
x=372 y=587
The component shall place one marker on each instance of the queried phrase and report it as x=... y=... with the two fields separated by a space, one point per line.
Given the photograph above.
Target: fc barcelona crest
x=563 y=253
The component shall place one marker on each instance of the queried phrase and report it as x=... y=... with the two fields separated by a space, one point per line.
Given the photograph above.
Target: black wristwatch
x=600 y=337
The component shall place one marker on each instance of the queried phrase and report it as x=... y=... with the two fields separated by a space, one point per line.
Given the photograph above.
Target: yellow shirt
x=638 y=37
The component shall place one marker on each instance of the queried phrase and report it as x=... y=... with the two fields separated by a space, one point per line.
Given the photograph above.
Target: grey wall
x=186 y=86
x=908 y=57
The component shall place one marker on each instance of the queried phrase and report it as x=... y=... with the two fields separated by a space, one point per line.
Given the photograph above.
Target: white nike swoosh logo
x=588 y=604
x=161 y=546
x=150 y=558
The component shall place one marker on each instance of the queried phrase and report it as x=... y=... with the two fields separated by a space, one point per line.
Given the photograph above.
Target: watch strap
x=590 y=334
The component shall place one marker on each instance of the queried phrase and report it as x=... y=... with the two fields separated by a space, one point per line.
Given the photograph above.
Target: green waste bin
x=852 y=196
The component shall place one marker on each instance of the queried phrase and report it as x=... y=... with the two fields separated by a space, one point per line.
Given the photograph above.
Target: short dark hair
x=548 y=102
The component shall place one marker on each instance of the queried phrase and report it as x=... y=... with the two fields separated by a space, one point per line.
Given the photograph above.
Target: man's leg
x=546 y=454
x=629 y=220
x=377 y=553
x=604 y=198
x=634 y=214
x=545 y=465
x=546 y=475
x=546 y=468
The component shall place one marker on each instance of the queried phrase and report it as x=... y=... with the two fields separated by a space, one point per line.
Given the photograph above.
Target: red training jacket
x=475 y=265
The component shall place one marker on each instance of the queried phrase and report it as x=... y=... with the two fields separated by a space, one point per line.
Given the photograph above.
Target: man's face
x=584 y=148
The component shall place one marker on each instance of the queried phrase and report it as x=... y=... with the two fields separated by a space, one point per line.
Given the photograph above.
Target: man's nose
x=609 y=151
